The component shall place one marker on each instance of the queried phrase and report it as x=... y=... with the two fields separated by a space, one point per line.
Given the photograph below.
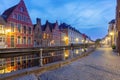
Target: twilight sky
x=88 y=16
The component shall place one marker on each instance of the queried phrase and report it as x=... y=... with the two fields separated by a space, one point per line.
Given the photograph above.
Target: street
x=102 y=64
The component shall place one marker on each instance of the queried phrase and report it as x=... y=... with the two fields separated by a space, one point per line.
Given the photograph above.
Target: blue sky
x=88 y=16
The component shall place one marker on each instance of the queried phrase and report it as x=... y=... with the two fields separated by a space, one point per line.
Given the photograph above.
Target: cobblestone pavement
x=102 y=64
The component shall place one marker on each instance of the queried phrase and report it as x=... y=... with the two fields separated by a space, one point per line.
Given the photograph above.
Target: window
x=19 y=27
x=19 y=40
x=119 y=14
x=2 y=62
x=15 y=16
x=12 y=41
x=12 y=27
x=1 y=27
x=3 y=39
x=29 y=40
x=0 y=39
x=25 y=29
x=29 y=30
x=19 y=17
x=21 y=9
x=24 y=40
x=44 y=36
x=24 y=18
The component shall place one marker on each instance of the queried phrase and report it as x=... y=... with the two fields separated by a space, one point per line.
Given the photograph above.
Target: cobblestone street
x=102 y=64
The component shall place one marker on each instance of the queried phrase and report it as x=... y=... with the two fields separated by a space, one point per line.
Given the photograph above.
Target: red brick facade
x=37 y=30
x=20 y=26
x=56 y=34
x=118 y=24
x=47 y=34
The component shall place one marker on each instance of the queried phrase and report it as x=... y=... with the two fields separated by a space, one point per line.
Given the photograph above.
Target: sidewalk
x=103 y=64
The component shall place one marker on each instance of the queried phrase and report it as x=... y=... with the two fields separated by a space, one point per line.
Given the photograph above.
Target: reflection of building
x=20 y=25
x=2 y=33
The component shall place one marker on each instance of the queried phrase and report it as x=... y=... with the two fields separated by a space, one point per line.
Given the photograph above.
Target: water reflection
x=21 y=62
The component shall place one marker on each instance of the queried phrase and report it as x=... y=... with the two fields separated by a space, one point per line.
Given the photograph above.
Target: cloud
x=81 y=14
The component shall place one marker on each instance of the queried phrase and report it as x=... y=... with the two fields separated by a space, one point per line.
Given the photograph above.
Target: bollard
x=63 y=54
x=40 y=55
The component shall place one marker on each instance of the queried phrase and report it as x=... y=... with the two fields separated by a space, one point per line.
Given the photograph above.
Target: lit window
x=44 y=36
x=19 y=40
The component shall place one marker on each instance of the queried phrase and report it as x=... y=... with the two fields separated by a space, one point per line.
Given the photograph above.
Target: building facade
x=73 y=36
x=38 y=33
x=20 y=26
x=56 y=35
x=2 y=33
x=18 y=34
x=118 y=25
x=112 y=32
x=47 y=34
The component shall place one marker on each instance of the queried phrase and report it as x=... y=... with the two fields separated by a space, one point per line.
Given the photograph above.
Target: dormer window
x=21 y=9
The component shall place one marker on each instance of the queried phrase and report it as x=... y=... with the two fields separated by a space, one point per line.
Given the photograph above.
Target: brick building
x=56 y=34
x=47 y=34
x=2 y=33
x=118 y=25
x=37 y=30
x=20 y=35
x=20 y=26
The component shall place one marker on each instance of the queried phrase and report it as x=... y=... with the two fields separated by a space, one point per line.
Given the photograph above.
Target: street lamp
x=77 y=40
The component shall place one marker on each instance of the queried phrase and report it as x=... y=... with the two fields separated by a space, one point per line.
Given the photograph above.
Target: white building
x=73 y=36
x=2 y=33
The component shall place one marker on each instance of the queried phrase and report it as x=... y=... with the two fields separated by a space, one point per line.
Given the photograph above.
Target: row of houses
x=113 y=37
x=17 y=30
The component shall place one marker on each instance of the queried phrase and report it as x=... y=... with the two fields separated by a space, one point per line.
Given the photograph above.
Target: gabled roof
x=2 y=21
x=7 y=12
x=112 y=21
x=50 y=25
x=66 y=26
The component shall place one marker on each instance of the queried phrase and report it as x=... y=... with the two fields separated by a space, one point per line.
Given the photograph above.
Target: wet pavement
x=102 y=64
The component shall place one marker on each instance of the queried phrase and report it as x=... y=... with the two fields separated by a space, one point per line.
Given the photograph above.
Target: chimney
x=38 y=21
